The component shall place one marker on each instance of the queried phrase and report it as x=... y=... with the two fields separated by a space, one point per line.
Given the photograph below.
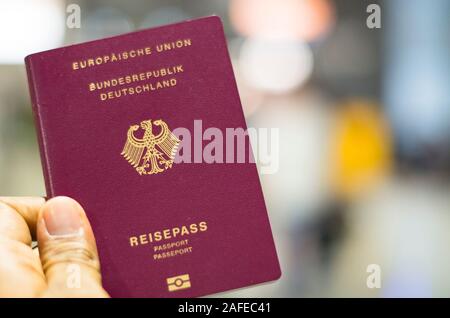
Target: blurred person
x=65 y=264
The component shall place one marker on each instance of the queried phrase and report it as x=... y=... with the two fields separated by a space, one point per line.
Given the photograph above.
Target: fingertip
x=62 y=216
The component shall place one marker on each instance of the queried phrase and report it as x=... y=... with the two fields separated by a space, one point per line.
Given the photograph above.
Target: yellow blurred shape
x=361 y=147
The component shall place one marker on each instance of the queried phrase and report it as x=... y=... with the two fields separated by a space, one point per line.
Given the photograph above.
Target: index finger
x=18 y=217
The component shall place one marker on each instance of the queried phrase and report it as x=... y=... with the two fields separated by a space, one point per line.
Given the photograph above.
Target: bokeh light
x=29 y=26
x=361 y=147
x=298 y=187
x=274 y=65
x=299 y=19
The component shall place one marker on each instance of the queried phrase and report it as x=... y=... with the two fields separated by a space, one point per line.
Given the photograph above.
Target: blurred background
x=364 y=119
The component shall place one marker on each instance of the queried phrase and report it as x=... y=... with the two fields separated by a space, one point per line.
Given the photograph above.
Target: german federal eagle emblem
x=152 y=153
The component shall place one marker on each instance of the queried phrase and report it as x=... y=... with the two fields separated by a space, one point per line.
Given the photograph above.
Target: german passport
x=137 y=129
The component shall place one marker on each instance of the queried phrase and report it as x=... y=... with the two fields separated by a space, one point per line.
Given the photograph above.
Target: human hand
x=65 y=264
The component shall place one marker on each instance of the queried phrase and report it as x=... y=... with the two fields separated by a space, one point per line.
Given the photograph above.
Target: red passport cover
x=163 y=229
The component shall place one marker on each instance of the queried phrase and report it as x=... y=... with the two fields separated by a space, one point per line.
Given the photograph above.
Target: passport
x=121 y=125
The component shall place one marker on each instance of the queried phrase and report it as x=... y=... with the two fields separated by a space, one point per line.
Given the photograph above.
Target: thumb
x=68 y=251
